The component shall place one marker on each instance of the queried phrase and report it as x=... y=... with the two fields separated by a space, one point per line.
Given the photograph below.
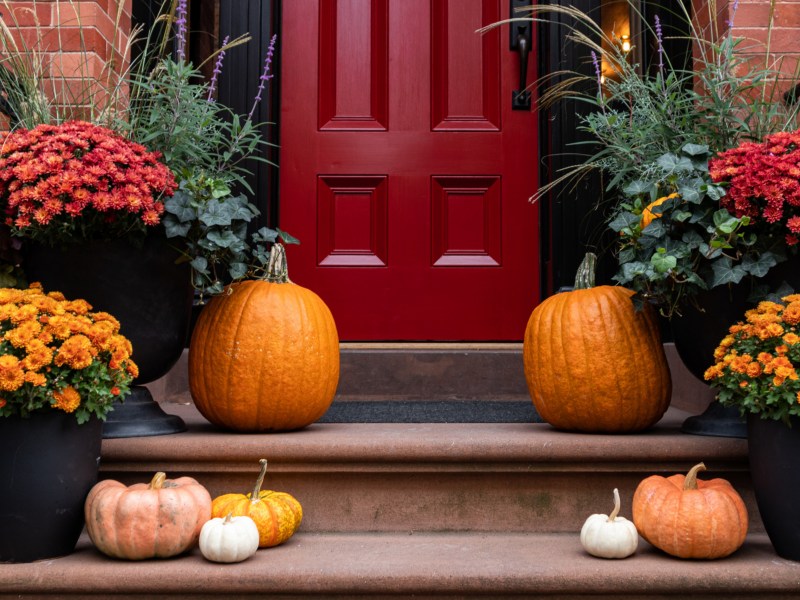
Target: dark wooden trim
x=572 y=221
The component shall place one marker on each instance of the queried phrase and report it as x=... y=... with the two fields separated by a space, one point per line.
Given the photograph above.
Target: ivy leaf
x=758 y=267
x=223 y=239
x=623 y=220
x=724 y=272
x=200 y=264
x=287 y=238
x=695 y=149
x=180 y=206
x=725 y=222
x=265 y=234
x=663 y=262
x=216 y=213
x=237 y=270
x=674 y=164
x=635 y=188
x=173 y=228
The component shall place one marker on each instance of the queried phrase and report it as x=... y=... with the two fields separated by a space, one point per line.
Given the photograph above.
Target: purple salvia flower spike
x=180 y=24
x=598 y=73
x=660 y=42
x=265 y=76
x=730 y=21
x=217 y=70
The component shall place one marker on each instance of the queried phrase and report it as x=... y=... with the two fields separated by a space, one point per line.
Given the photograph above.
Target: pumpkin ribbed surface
x=708 y=520
x=276 y=514
x=595 y=364
x=264 y=357
x=159 y=519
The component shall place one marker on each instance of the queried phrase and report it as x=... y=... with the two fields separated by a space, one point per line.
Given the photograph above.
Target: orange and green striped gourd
x=276 y=514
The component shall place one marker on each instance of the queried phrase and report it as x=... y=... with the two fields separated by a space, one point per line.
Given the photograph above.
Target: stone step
x=432 y=477
x=412 y=564
x=440 y=372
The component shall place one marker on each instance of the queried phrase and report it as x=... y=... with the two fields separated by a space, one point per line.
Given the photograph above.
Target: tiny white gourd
x=229 y=540
x=610 y=536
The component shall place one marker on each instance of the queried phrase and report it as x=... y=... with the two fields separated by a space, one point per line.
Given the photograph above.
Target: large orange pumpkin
x=594 y=363
x=690 y=518
x=276 y=514
x=146 y=520
x=264 y=356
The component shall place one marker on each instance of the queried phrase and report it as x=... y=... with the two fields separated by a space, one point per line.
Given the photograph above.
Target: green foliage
x=653 y=130
x=214 y=224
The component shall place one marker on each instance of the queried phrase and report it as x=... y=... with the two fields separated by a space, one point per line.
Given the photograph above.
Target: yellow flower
x=791 y=314
x=791 y=338
x=38 y=355
x=11 y=374
x=754 y=370
x=23 y=333
x=36 y=379
x=67 y=399
x=76 y=351
x=26 y=312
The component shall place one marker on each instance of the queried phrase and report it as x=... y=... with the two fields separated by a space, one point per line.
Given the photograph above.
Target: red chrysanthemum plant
x=762 y=182
x=78 y=181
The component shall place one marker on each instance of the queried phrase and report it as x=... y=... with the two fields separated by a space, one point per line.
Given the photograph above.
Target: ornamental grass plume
x=756 y=364
x=77 y=181
x=56 y=354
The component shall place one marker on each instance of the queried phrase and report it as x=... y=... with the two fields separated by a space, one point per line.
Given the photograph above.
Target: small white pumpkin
x=229 y=540
x=610 y=536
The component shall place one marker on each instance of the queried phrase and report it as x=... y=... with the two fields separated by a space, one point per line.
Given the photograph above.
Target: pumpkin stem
x=228 y=518
x=259 y=481
x=158 y=480
x=277 y=269
x=584 y=277
x=690 y=483
x=617 y=505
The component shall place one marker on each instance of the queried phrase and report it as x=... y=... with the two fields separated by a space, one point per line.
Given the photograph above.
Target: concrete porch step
x=412 y=564
x=399 y=477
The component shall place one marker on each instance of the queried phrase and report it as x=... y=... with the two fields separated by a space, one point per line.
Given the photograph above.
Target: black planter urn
x=148 y=291
x=48 y=464
x=698 y=332
x=774 y=453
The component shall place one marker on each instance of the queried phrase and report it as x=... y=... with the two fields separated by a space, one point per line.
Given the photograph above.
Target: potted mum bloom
x=756 y=371
x=62 y=366
x=87 y=203
x=77 y=181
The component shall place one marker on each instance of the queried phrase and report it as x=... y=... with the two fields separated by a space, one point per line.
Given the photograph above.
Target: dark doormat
x=432 y=411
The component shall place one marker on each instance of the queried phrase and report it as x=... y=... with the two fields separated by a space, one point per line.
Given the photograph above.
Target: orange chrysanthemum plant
x=756 y=364
x=56 y=354
x=79 y=181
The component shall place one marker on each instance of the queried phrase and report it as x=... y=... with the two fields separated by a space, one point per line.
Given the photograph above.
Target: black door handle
x=521 y=38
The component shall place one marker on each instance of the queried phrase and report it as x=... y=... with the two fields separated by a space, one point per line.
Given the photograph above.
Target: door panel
x=404 y=171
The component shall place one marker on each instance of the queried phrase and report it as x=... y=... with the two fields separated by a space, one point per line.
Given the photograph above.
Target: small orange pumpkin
x=690 y=518
x=155 y=520
x=593 y=362
x=265 y=355
x=276 y=514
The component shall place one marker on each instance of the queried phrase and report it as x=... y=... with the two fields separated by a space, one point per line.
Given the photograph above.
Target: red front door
x=404 y=171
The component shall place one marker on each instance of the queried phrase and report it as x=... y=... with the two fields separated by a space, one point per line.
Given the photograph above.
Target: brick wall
x=77 y=40
x=751 y=21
